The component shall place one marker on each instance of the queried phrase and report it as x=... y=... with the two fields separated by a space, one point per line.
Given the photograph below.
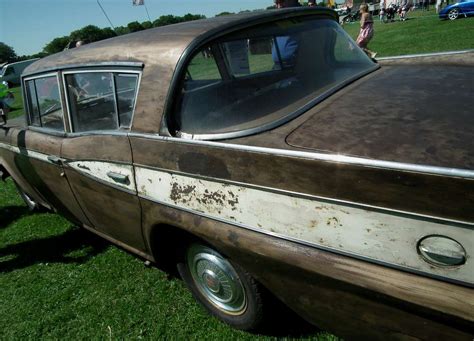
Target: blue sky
x=28 y=25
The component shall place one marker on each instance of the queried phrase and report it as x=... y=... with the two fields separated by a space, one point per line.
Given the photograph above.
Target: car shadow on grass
x=9 y=214
x=74 y=246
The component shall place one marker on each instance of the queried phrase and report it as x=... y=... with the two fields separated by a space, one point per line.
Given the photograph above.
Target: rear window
x=44 y=103
x=262 y=76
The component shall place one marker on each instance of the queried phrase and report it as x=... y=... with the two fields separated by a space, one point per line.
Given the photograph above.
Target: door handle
x=119 y=178
x=54 y=159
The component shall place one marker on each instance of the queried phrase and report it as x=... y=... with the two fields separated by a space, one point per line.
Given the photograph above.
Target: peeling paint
x=380 y=236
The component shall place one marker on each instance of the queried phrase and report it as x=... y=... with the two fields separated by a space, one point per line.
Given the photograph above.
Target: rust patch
x=178 y=191
x=334 y=222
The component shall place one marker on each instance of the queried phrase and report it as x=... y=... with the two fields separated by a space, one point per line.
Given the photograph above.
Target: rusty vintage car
x=266 y=150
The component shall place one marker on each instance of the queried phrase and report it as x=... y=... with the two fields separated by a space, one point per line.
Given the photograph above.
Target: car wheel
x=224 y=289
x=453 y=14
x=32 y=205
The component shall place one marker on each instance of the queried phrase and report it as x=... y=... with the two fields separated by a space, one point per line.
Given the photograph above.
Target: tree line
x=91 y=33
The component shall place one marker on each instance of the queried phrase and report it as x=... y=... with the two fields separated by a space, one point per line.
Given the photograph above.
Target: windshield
x=2 y=71
x=264 y=75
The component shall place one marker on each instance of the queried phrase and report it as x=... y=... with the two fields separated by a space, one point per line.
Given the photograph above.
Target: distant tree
x=91 y=33
x=147 y=24
x=7 y=53
x=191 y=17
x=221 y=14
x=108 y=32
x=121 y=30
x=135 y=26
x=56 y=45
x=167 y=20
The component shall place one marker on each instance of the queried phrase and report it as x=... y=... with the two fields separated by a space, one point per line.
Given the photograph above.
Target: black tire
x=224 y=289
x=32 y=205
x=453 y=14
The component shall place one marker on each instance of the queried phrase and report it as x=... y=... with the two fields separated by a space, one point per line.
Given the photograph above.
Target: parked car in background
x=11 y=73
x=246 y=151
x=462 y=8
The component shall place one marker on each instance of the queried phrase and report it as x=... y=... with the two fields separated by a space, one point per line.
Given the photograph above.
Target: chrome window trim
x=125 y=64
x=27 y=107
x=112 y=71
x=433 y=54
x=337 y=158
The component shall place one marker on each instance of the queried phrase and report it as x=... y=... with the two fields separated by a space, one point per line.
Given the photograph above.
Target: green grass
x=423 y=32
x=17 y=106
x=62 y=282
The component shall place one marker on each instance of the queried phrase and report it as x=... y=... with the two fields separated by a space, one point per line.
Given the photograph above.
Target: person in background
x=438 y=6
x=381 y=10
x=6 y=99
x=366 y=30
x=312 y=3
x=285 y=48
x=286 y=3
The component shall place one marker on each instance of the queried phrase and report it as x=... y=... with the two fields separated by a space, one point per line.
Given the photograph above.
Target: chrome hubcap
x=453 y=15
x=216 y=279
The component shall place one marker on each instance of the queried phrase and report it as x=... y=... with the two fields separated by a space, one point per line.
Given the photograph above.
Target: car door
x=98 y=157
x=39 y=145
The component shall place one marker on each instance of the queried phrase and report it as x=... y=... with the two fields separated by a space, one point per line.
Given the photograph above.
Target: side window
x=101 y=100
x=126 y=87
x=44 y=103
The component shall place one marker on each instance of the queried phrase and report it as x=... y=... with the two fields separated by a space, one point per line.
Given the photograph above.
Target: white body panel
x=385 y=237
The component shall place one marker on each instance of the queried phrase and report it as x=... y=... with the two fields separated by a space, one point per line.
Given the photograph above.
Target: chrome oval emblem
x=441 y=250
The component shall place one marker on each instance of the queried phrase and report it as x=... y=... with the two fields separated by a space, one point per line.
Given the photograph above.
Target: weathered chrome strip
x=329 y=200
x=22 y=151
x=433 y=54
x=87 y=65
x=338 y=158
x=9 y=147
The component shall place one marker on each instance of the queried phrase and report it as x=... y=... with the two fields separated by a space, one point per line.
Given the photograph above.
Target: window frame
x=26 y=103
x=113 y=71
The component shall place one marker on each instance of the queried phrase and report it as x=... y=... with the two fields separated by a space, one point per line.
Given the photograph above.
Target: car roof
x=163 y=45
x=161 y=53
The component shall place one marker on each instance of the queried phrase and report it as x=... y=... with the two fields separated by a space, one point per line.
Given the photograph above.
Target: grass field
x=17 y=106
x=61 y=282
x=423 y=32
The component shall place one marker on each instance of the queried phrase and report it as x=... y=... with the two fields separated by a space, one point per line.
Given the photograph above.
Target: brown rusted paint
x=111 y=211
x=391 y=189
x=97 y=147
x=388 y=123
x=348 y=297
